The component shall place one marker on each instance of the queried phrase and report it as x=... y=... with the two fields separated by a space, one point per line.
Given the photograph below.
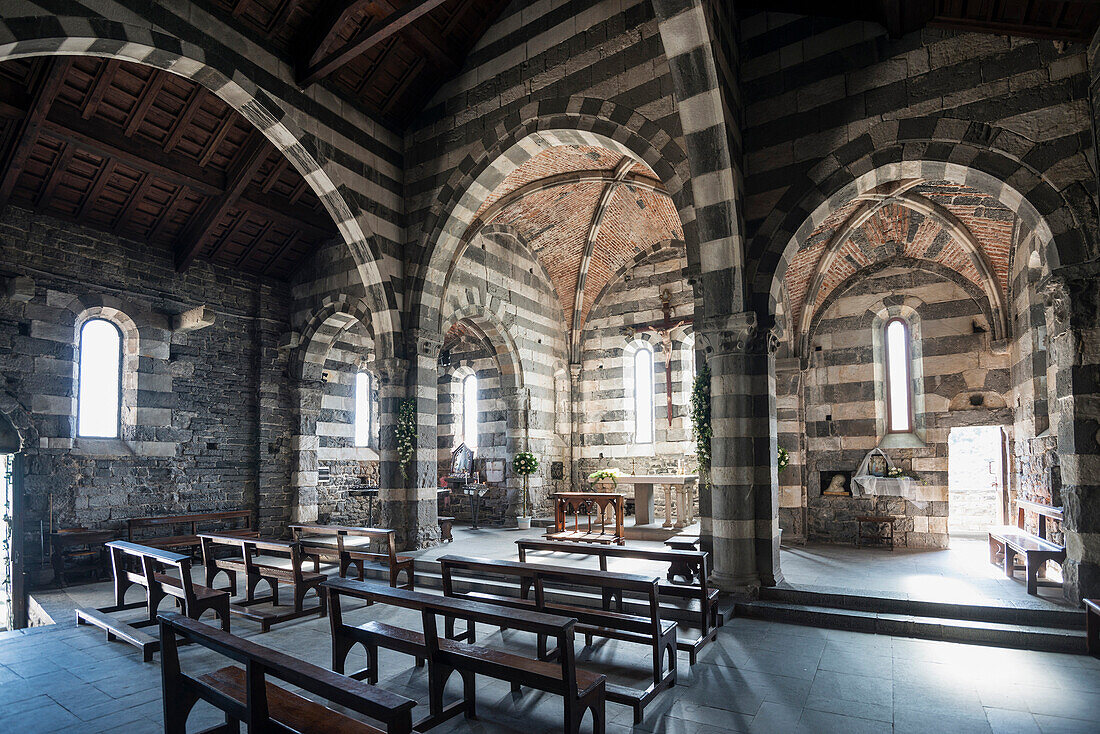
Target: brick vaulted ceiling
x=585 y=211
x=151 y=156
x=953 y=225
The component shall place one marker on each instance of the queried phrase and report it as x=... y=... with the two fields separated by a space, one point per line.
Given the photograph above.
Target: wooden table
x=680 y=485
x=684 y=568
x=884 y=520
x=572 y=504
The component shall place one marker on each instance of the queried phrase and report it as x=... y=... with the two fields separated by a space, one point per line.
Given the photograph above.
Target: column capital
x=575 y=370
x=425 y=342
x=737 y=333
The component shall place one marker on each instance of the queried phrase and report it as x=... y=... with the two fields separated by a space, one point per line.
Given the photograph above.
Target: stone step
x=1024 y=637
x=885 y=603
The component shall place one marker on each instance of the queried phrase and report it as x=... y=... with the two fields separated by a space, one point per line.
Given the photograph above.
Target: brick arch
x=50 y=35
x=576 y=121
x=486 y=314
x=991 y=159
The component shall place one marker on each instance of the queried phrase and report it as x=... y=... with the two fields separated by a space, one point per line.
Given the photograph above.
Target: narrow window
x=99 y=397
x=469 y=411
x=643 y=396
x=362 y=408
x=899 y=393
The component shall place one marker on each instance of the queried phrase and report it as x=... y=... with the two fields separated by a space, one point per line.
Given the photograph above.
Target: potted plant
x=525 y=464
x=604 y=480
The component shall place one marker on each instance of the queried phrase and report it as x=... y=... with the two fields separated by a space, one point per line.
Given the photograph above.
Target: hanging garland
x=406 y=434
x=700 y=420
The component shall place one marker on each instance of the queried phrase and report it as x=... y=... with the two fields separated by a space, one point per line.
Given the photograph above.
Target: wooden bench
x=248 y=696
x=580 y=690
x=646 y=628
x=152 y=565
x=350 y=544
x=1008 y=542
x=301 y=582
x=705 y=617
x=212 y=521
x=1092 y=626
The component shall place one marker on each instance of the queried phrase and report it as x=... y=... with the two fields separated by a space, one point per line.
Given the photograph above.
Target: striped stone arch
x=639 y=257
x=503 y=229
x=690 y=46
x=1016 y=171
x=517 y=139
x=486 y=314
x=50 y=35
x=336 y=313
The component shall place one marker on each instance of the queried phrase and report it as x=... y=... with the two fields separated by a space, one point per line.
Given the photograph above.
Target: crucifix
x=664 y=331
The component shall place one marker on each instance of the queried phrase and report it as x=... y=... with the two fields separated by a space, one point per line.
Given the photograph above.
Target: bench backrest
x=249 y=548
x=303 y=531
x=151 y=561
x=1043 y=511
x=260 y=662
x=540 y=574
x=136 y=523
x=560 y=628
x=603 y=552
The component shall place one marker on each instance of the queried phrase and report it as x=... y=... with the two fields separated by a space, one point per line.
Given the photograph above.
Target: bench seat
x=1008 y=542
x=284 y=707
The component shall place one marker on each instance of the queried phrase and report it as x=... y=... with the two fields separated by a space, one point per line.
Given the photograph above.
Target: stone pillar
x=392 y=486
x=574 y=425
x=1073 y=323
x=741 y=517
x=516 y=400
x=304 y=443
x=424 y=386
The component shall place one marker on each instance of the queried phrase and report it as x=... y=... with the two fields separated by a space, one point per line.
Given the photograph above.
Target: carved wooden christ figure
x=663 y=330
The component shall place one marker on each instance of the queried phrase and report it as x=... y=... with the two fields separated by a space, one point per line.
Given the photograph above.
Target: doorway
x=975 y=479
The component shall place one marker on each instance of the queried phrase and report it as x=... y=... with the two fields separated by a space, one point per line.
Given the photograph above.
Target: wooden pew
x=349 y=544
x=248 y=696
x=646 y=628
x=211 y=521
x=706 y=618
x=1008 y=542
x=151 y=574
x=580 y=690
x=244 y=563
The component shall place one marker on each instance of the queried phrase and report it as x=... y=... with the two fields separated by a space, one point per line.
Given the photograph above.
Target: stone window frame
x=119 y=362
x=369 y=450
x=640 y=341
x=458 y=404
x=128 y=383
x=890 y=378
x=915 y=436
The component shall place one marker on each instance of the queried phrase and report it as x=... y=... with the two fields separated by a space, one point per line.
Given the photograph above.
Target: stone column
x=392 y=486
x=742 y=521
x=516 y=402
x=304 y=443
x=574 y=425
x=424 y=386
x=1073 y=322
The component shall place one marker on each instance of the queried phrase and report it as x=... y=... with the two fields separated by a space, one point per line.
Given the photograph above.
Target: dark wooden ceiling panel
x=142 y=153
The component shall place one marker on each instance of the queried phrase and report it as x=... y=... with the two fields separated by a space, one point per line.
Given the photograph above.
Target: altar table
x=680 y=485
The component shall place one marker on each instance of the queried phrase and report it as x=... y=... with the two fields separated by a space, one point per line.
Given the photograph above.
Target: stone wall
x=844 y=404
x=211 y=416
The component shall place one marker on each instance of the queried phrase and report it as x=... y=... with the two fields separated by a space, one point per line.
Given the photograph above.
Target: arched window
x=99 y=396
x=363 y=390
x=899 y=386
x=469 y=411
x=643 y=395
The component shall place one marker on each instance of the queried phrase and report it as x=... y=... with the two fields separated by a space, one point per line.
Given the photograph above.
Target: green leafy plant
x=600 y=474
x=783 y=459
x=406 y=434
x=700 y=420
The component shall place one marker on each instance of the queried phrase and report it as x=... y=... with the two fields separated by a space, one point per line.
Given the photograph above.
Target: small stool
x=886 y=520
x=445 y=529
x=1092 y=626
x=686 y=569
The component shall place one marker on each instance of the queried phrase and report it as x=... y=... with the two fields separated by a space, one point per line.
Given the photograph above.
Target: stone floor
x=759 y=677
